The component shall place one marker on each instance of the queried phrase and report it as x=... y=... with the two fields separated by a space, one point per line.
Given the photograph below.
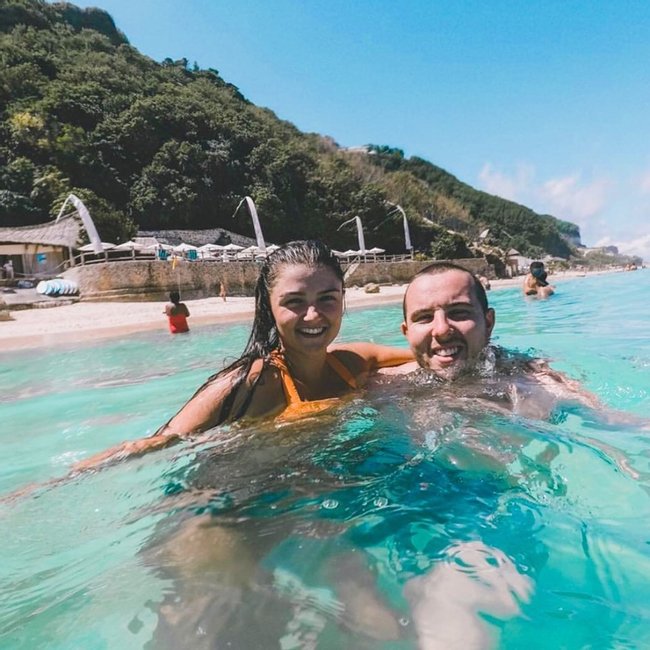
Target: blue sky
x=545 y=103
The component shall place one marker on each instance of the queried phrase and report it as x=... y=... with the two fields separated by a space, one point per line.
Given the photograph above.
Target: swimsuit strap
x=288 y=385
x=297 y=408
x=341 y=370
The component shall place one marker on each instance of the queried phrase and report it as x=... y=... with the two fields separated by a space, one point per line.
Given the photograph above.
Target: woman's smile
x=307 y=305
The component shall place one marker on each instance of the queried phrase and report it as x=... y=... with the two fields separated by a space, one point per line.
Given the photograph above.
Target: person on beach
x=289 y=368
x=177 y=314
x=535 y=283
x=8 y=268
x=222 y=291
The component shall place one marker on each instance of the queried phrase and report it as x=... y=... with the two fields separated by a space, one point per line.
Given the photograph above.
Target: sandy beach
x=32 y=328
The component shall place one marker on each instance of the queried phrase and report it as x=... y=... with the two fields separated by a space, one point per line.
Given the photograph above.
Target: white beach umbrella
x=376 y=251
x=128 y=246
x=210 y=248
x=183 y=248
x=272 y=248
x=350 y=253
x=233 y=247
x=89 y=248
x=159 y=247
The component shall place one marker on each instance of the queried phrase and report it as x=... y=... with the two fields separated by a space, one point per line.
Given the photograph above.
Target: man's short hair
x=436 y=268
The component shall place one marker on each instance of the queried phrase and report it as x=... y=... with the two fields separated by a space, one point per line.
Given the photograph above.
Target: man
x=447 y=321
x=535 y=283
x=448 y=324
x=456 y=380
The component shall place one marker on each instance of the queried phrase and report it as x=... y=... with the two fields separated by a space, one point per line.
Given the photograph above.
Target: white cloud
x=615 y=213
x=567 y=197
x=638 y=246
x=570 y=199
x=513 y=188
x=644 y=183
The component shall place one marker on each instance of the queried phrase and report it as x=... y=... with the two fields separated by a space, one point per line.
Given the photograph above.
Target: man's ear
x=405 y=328
x=490 y=319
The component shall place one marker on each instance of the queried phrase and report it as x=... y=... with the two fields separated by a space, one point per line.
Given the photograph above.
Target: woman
x=177 y=313
x=287 y=370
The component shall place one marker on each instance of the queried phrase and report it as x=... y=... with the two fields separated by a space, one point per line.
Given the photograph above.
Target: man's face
x=445 y=324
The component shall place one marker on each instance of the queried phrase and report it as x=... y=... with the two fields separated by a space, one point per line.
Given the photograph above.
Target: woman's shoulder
x=354 y=356
x=264 y=384
x=256 y=389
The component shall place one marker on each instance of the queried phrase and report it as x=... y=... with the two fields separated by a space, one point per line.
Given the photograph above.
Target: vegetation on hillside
x=169 y=145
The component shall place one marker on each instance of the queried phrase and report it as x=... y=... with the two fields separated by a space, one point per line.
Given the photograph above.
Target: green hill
x=168 y=145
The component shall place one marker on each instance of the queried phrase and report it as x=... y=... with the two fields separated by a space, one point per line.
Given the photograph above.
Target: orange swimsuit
x=296 y=406
x=178 y=323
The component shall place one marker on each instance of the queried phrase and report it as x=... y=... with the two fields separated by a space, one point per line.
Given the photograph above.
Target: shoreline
x=84 y=321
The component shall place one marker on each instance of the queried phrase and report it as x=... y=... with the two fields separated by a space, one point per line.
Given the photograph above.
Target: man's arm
x=570 y=390
x=375 y=356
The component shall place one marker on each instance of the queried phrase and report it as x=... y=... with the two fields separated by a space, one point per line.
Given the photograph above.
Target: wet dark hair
x=436 y=268
x=264 y=338
x=537 y=270
x=175 y=297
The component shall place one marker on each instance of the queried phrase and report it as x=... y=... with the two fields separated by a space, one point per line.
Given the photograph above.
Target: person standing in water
x=535 y=283
x=177 y=314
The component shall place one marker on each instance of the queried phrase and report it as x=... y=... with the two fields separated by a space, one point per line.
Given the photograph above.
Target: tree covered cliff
x=169 y=145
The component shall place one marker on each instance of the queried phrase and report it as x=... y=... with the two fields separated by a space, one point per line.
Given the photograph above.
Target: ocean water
x=403 y=516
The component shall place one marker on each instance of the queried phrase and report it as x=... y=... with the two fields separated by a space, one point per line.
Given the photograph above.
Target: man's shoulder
x=513 y=361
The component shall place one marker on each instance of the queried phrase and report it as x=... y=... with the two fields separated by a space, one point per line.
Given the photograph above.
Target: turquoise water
x=368 y=500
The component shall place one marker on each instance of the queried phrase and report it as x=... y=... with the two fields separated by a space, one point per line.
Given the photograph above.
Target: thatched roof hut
x=42 y=248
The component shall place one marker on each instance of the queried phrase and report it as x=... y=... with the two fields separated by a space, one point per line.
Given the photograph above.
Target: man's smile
x=448 y=351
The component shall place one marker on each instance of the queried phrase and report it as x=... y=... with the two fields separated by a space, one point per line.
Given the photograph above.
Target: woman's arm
x=201 y=412
x=530 y=284
x=127 y=449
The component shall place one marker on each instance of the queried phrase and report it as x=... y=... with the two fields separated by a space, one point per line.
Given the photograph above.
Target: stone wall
x=153 y=280
x=402 y=272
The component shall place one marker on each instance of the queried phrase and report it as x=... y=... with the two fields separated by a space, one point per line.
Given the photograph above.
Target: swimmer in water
x=177 y=314
x=535 y=283
x=290 y=367
x=448 y=324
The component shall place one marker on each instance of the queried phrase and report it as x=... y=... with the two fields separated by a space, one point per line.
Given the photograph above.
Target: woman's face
x=307 y=304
